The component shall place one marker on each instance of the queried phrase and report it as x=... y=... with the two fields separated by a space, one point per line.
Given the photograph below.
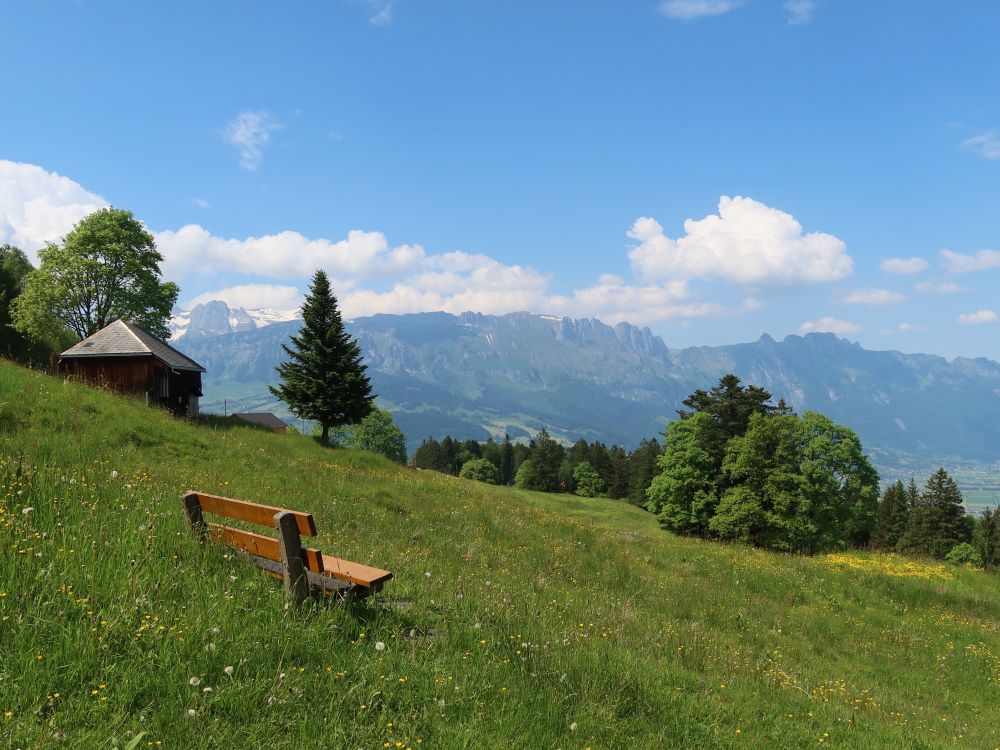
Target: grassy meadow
x=516 y=619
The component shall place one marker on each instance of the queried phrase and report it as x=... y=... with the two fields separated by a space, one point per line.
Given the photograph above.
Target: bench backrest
x=196 y=504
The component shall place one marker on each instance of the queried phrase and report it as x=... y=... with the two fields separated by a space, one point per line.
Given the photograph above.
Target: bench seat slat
x=362 y=575
x=275 y=569
x=262 y=515
x=262 y=546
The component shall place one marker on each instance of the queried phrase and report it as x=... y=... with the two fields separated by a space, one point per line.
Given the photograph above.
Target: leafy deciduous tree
x=376 y=433
x=480 y=469
x=108 y=267
x=588 y=481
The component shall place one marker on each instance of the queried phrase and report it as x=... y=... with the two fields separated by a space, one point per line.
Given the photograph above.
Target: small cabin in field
x=124 y=357
x=263 y=419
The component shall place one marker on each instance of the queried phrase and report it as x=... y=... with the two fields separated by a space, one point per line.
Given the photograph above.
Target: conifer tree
x=324 y=378
x=987 y=538
x=949 y=527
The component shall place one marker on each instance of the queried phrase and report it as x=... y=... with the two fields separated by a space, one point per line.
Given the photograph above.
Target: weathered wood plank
x=262 y=515
x=263 y=546
x=362 y=575
x=296 y=583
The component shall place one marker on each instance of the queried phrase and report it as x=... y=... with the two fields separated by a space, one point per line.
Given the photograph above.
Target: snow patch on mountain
x=216 y=318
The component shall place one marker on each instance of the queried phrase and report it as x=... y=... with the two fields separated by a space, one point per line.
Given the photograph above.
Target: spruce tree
x=948 y=527
x=324 y=379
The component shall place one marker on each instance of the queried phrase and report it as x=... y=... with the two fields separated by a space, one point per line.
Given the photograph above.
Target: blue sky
x=559 y=157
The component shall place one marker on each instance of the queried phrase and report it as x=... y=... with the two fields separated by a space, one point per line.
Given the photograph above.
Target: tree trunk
x=325 y=437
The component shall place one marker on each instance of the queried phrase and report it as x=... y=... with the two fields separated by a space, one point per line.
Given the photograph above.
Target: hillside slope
x=516 y=619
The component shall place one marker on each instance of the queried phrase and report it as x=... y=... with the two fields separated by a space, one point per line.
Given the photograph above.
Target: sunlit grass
x=516 y=619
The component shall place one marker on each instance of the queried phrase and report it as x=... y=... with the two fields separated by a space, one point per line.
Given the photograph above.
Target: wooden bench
x=303 y=569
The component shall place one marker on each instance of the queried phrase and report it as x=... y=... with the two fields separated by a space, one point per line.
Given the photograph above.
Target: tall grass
x=516 y=619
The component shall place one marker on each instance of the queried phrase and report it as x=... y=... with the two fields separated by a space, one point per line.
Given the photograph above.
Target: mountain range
x=474 y=375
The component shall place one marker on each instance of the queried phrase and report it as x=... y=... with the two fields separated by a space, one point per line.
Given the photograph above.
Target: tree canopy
x=107 y=267
x=324 y=379
x=376 y=433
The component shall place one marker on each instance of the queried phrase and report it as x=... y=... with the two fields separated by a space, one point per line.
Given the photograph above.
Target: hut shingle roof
x=121 y=339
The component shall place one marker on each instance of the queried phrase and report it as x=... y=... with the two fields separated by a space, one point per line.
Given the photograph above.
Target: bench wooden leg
x=296 y=582
x=193 y=514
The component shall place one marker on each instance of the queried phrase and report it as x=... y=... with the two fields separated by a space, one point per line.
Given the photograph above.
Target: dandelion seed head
x=380 y=646
x=194 y=681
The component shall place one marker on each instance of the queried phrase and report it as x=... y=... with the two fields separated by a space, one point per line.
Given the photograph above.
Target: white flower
x=572 y=727
x=427 y=574
x=229 y=671
x=194 y=681
x=380 y=646
x=210 y=647
x=476 y=626
x=192 y=713
x=206 y=690
x=114 y=474
x=27 y=511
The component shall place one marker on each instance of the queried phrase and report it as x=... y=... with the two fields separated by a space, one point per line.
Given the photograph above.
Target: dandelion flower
x=27 y=511
x=114 y=474
x=191 y=713
x=380 y=646
x=194 y=681
x=229 y=671
x=572 y=727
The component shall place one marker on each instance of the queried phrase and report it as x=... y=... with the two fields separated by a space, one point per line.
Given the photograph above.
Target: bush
x=588 y=481
x=481 y=470
x=964 y=554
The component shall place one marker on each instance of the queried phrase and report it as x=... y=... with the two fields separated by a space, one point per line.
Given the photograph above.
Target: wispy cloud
x=986 y=144
x=941 y=287
x=201 y=202
x=380 y=11
x=873 y=297
x=686 y=10
x=800 y=12
x=904 y=266
x=250 y=132
x=827 y=324
x=961 y=263
x=978 y=318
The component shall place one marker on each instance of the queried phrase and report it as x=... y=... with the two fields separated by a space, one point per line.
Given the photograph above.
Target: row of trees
x=933 y=522
x=589 y=469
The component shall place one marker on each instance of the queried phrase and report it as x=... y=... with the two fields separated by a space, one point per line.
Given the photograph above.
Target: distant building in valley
x=125 y=358
x=263 y=419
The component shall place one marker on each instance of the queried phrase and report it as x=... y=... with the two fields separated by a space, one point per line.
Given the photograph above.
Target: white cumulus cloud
x=978 y=318
x=873 y=297
x=38 y=206
x=800 y=12
x=904 y=266
x=746 y=243
x=981 y=261
x=829 y=325
x=285 y=255
x=250 y=132
x=686 y=10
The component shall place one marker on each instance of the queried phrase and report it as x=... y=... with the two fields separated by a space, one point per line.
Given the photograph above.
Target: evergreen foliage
x=108 y=267
x=324 y=379
x=541 y=471
x=937 y=521
x=987 y=538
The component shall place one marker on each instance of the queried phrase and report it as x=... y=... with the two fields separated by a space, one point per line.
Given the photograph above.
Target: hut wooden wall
x=125 y=374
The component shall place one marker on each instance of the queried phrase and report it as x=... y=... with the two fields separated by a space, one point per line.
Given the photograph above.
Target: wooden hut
x=124 y=357
x=263 y=419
